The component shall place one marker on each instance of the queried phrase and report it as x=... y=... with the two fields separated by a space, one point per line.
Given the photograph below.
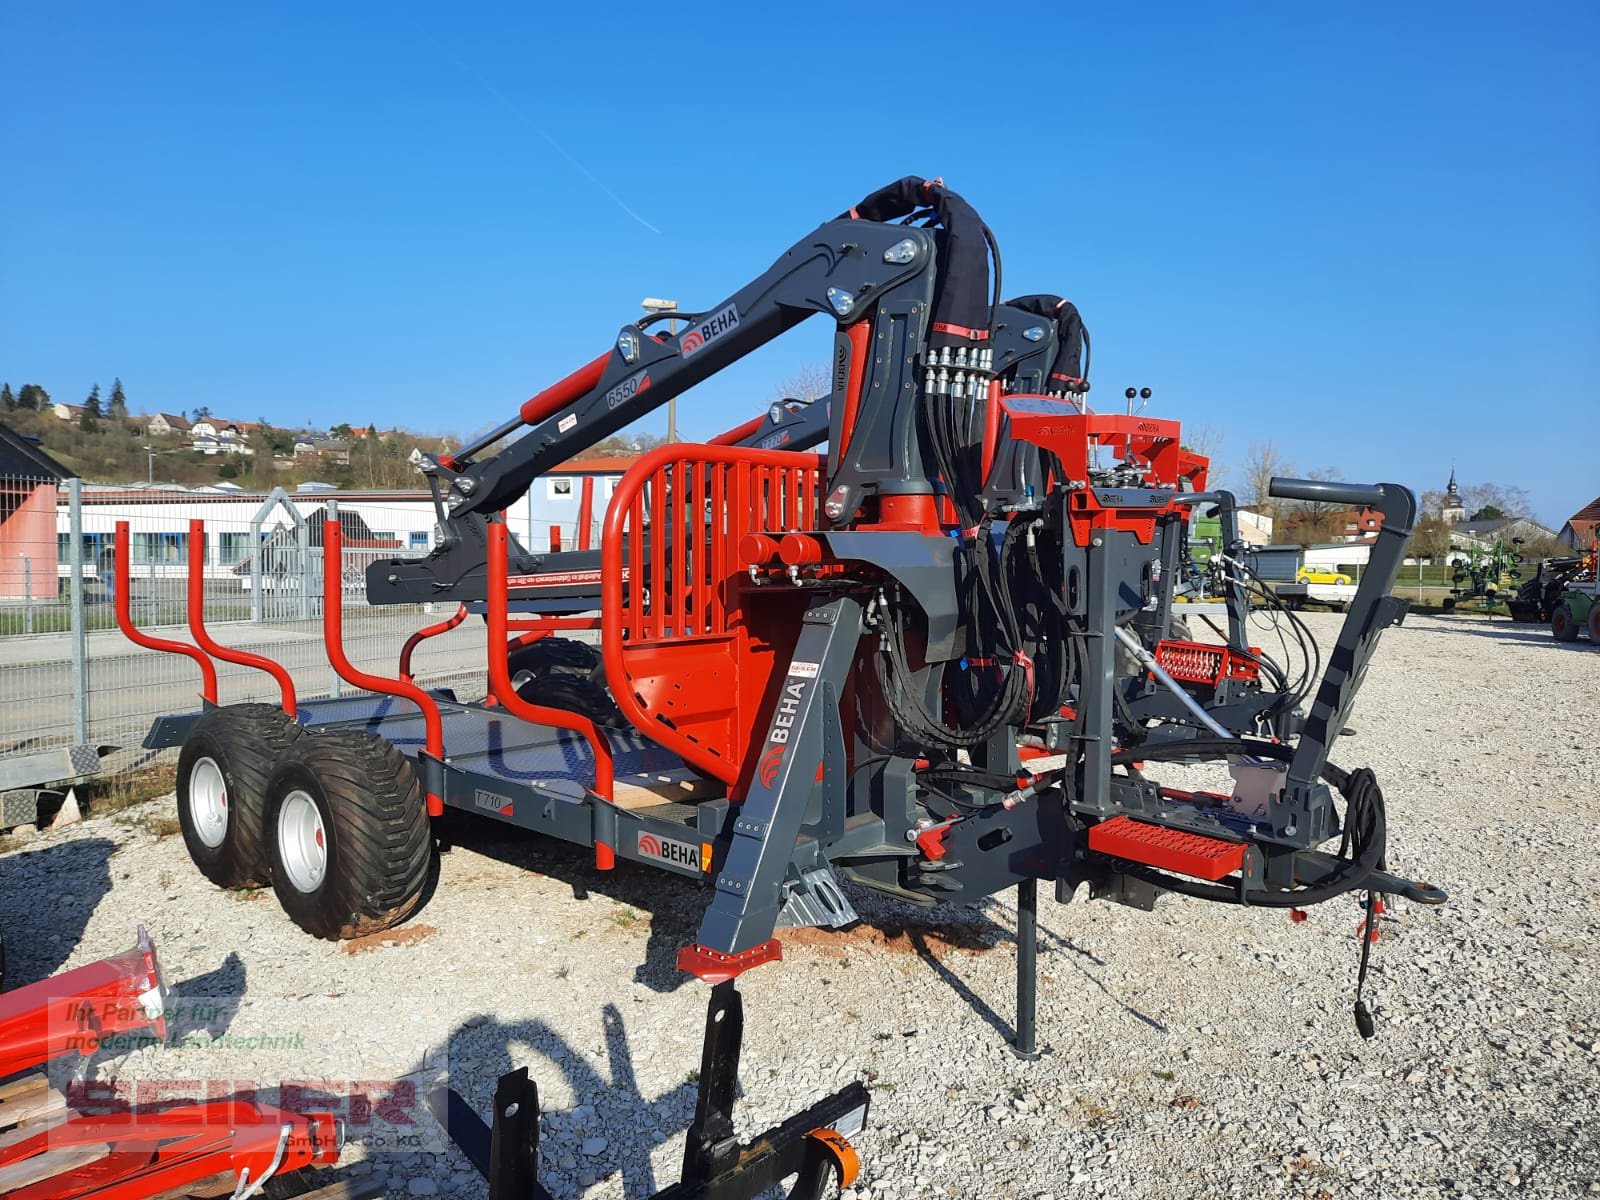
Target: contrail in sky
x=516 y=111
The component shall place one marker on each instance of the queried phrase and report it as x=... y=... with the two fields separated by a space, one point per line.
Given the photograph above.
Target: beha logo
x=709 y=330
x=667 y=850
x=770 y=762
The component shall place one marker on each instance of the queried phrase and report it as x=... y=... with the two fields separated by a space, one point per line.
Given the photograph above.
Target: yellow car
x=1314 y=575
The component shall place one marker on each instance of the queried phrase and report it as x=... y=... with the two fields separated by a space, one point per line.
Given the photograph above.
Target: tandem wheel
x=222 y=784
x=347 y=834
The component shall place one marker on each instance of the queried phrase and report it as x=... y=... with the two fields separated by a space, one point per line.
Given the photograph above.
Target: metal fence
x=69 y=678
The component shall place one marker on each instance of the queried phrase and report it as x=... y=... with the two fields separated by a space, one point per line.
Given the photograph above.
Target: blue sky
x=1365 y=231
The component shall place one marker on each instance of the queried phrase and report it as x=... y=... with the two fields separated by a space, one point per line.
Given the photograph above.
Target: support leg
x=711 y=1146
x=1027 y=968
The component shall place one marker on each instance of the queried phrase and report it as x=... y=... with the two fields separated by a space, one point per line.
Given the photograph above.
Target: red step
x=1169 y=849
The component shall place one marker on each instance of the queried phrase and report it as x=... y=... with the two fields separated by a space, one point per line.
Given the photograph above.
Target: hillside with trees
x=105 y=443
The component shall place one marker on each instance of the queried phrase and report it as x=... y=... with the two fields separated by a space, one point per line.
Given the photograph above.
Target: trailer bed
x=661 y=812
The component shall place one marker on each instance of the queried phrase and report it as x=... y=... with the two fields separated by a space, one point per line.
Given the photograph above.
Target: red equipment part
x=423 y=634
x=563 y=392
x=1057 y=426
x=655 y=639
x=149 y=1153
x=713 y=966
x=72 y=1012
x=208 y=672
x=586 y=512
x=333 y=640
x=500 y=687
x=1202 y=662
x=197 y=623
x=1169 y=849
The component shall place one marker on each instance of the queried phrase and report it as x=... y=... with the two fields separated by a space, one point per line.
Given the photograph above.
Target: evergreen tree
x=118 y=406
x=32 y=396
x=90 y=420
x=6 y=397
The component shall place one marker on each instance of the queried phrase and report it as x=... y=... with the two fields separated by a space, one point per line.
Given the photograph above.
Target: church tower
x=1452 y=510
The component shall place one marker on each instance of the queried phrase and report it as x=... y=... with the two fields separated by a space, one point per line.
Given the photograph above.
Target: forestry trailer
x=819 y=670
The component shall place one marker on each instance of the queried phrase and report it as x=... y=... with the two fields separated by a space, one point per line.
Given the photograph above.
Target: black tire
x=1563 y=625
x=231 y=752
x=1594 y=621
x=574 y=694
x=351 y=798
x=553 y=655
x=561 y=673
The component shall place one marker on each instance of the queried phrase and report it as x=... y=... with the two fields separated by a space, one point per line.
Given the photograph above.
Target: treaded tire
x=1563 y=625
x=1594 y=621
x=371 y=828
x=551 y=655
x=565 y=674
x=242 y=742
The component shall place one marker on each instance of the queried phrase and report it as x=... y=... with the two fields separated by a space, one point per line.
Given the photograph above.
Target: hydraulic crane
x=856 y=656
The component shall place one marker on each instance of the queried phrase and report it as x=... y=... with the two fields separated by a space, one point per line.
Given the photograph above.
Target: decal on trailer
x=558 y=579
x=709 y=330
x=669 y=851
x=806 y=670
x=628 y=389
x=492 y=802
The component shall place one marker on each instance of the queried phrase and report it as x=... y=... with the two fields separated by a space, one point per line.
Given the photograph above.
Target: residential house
x=332 y=450
x=1583 y=527
x=68 y=412
x=167 y=423
x=28 y=479
x=1360 y=525
x=217 y=436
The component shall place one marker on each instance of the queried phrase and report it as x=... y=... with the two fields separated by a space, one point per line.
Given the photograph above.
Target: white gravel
x=1195 y=1051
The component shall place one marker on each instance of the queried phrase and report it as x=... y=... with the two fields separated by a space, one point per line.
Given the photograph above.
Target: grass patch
x=105 y=795
x=53 y=617
x=162 y=826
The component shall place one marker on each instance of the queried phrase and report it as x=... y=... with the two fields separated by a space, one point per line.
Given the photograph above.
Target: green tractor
x=1577 y=610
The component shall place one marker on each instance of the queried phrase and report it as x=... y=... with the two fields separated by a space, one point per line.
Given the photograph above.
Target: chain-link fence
x=71 y=679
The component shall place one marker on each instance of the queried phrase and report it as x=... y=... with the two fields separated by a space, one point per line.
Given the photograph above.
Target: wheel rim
x=302 y=841
x=208 y=802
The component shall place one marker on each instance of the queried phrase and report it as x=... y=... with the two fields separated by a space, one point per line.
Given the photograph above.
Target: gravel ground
x=1195 y=1051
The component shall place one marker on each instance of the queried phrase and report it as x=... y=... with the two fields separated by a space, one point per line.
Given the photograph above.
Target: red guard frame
x=203 y=639
x=501 y=689
x=333 y=641
x=423 y=634
x=124 y=607
x=697 y=629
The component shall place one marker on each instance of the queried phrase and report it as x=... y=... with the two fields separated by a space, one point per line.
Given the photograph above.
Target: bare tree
x=1207 y=440
x=1512 y=501
x=1260 y=466
x=810 y=382
x=1308 y=522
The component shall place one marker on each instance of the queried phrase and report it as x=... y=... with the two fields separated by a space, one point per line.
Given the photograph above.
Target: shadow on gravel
x=1538 y=635
x=40 y=929
x=675 y=904
x=620 y=1111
